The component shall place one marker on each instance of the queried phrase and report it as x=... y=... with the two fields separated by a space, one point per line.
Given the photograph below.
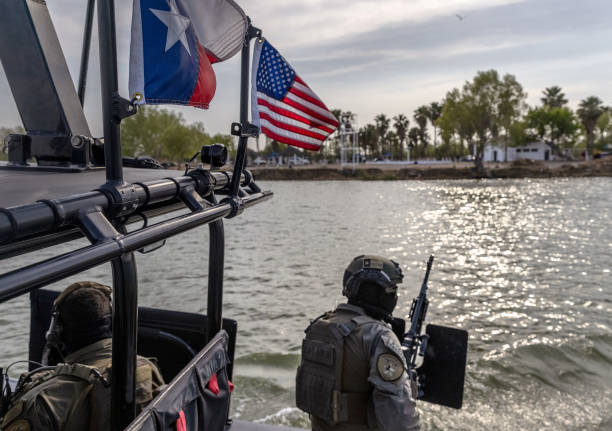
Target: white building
x=532 y=151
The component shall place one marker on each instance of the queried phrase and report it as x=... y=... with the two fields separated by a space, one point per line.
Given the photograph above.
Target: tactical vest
x=330 y=384
x=68 y=397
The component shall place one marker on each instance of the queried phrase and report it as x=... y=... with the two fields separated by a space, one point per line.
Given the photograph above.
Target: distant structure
x=348 y=135
x=349 y=147
x=532 y=151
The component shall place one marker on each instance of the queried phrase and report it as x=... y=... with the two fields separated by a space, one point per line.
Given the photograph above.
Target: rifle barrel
x=417 y=315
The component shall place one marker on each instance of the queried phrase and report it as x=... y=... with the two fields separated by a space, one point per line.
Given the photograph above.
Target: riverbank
x=518 y=169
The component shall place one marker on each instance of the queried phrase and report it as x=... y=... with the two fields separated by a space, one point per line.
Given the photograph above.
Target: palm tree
x=401 y=123
x=367 y=139
x=382 y=126
x=434 y=112
x=413 y=137
x=421 y=116
x=589 y=111
x=553 y=97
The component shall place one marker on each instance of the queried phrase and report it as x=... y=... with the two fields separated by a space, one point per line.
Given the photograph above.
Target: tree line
x=158 y=133
x=488 y=109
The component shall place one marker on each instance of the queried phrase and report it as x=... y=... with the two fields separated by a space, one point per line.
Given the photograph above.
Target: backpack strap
x=84 y=372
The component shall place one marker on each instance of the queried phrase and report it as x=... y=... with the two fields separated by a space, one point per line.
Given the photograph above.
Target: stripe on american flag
x=301 y=128
x=286 y=109
x=266 y=102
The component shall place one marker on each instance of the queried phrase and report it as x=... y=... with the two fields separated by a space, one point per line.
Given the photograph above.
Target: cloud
x=372 y=56
x=316 y=22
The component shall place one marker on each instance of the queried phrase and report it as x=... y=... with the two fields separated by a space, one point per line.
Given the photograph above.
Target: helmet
x=81 y=315
x=373 y=269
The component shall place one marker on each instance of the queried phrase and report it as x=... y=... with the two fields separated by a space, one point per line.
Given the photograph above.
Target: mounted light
x=215 y=155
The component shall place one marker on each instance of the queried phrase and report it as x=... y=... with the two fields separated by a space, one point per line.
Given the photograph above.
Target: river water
x=523 y=265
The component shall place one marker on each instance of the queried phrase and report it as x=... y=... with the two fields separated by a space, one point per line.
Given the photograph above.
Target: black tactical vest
x=332 y=380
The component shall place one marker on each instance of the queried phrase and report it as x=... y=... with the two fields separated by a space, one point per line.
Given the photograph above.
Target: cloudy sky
x=389 y=56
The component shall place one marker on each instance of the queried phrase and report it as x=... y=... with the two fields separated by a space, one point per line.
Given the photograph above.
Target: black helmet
x=373 y=269
x=81 y=315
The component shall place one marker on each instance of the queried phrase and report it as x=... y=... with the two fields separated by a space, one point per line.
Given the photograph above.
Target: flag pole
x=243 y=129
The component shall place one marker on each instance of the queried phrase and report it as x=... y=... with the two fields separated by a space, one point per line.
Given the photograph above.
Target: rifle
x=414 y=343
x=440 y=377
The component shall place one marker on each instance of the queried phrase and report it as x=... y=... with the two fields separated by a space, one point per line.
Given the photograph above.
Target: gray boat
x=61 y=184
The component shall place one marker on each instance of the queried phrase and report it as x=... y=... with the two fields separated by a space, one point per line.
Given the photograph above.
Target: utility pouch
x=189 y=401
x=319 y=376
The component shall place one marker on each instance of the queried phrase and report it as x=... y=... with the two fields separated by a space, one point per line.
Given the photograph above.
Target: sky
x=383 y=56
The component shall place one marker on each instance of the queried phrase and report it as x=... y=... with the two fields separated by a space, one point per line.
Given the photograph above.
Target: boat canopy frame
x=102 y=214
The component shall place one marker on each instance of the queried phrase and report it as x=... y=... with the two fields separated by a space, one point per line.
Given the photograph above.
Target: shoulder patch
x=390 y=341
x=389 y=367
x=19 y=425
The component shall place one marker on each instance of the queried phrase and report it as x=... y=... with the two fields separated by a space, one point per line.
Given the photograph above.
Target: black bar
x=24 y=280
x=110 y=88
x=40 y=218
x=240 y=161
x=125 y=331
x=69 y=233
x=216 y=256
x=85 y=52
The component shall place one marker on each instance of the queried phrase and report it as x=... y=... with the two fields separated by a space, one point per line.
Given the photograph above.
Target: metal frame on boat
x=102 y=214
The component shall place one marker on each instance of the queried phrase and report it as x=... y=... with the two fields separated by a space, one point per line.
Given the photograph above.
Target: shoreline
x=458 y=171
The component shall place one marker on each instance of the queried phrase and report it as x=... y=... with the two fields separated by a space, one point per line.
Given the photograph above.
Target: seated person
x=75 y=395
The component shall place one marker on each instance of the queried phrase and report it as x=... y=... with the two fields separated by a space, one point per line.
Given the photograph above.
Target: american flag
x=283 y=106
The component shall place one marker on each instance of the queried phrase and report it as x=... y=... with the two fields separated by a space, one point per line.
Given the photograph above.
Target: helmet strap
x=53 y=337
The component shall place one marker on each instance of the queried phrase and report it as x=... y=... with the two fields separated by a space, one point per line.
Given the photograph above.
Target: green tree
x=455 y=120
x=482 y=110
x=604 y=129
x=414 y=135
x=401 y=124
x=556 y=126
x=382 y=127
x=434 y=110
x=163 y=135
x=589 y=111
x=368 y=139
x=421 y=117
x=472 y=112
x=553 y=97
x=510 y=106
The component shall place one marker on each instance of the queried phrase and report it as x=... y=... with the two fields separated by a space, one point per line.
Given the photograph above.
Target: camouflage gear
x=76 y=395
x=374 y=390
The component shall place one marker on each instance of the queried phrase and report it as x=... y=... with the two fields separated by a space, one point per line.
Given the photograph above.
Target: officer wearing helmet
x=353 y=373
x=75 y=394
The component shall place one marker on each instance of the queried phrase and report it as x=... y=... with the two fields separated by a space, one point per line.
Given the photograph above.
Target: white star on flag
x=177 y=25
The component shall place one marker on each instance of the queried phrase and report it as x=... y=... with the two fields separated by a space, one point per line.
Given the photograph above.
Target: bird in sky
x=459 y=17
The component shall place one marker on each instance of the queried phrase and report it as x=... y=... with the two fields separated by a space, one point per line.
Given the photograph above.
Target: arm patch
x=390 y=368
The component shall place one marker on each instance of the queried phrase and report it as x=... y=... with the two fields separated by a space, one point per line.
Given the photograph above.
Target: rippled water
x=523 y=265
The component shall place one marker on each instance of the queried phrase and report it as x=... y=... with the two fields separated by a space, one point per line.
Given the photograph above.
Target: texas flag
x=174 y=43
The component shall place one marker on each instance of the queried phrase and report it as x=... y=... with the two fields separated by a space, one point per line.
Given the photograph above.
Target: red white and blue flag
x=174 y=43
x=282 y=104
